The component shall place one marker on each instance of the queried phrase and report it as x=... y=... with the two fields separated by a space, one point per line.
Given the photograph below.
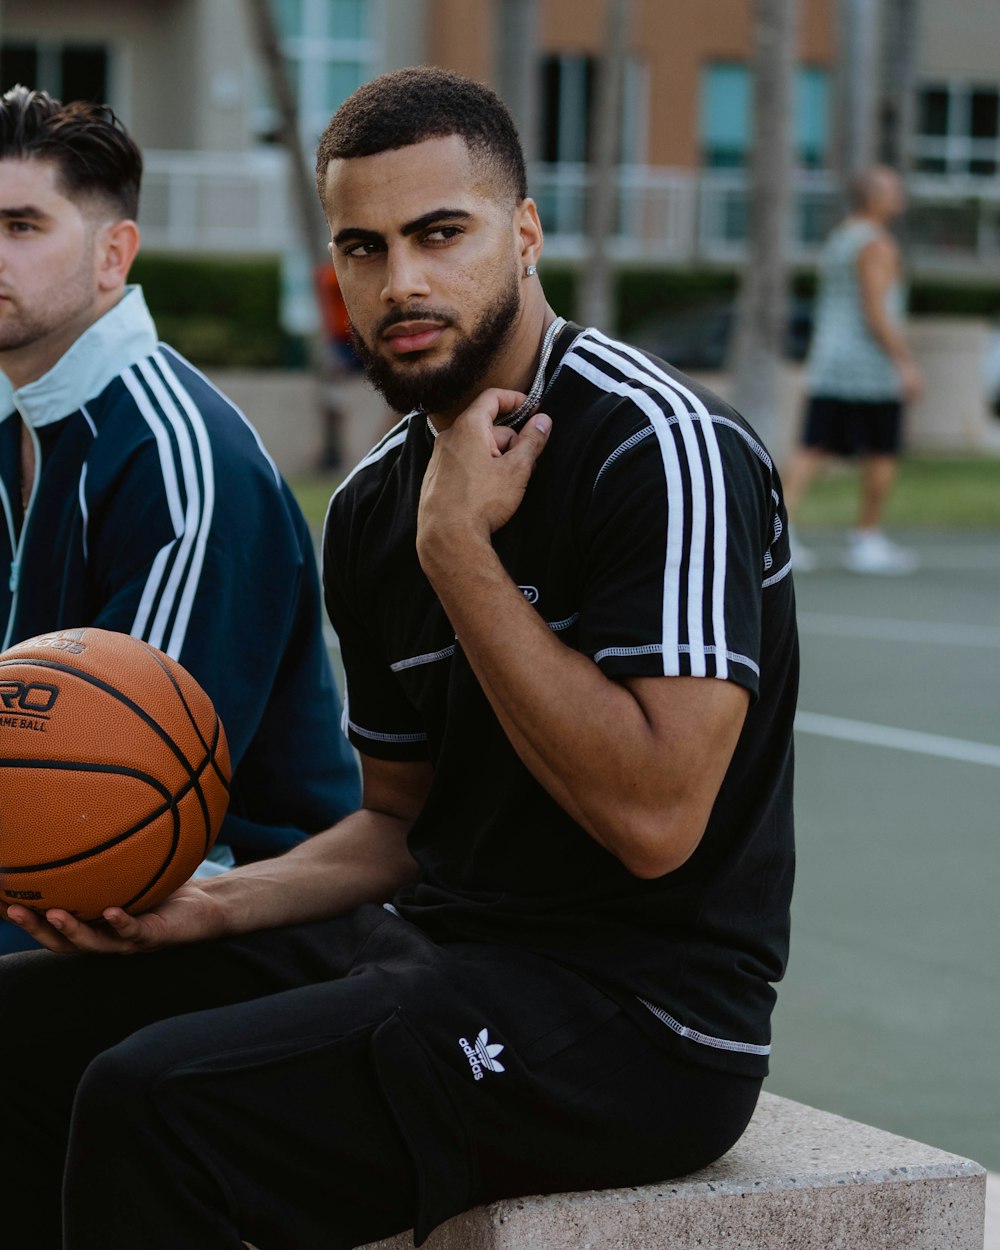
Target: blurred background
x=688 y=158
x=228 y=97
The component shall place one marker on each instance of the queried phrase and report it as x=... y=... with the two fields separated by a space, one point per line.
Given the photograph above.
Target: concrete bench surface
x=798 y=1179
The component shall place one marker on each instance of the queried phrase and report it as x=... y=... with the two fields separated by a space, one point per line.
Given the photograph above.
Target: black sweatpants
x=325 y=1085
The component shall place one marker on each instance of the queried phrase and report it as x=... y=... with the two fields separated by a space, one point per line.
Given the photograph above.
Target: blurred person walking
x=860 y=373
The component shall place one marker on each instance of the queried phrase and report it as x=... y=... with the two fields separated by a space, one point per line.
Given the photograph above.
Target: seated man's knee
x=28 y=1007
x=115 y=1090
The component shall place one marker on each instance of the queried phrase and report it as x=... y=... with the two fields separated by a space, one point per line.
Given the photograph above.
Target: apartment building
x=185 y=76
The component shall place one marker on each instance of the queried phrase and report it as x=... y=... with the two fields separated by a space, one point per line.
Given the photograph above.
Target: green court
x=890 y=1012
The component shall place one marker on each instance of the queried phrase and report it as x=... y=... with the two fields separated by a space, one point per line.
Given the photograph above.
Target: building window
x=330 y=48
x=725 y=116
x=958 y=129
x=810 y=110
x=726 y=109
x=568 y=104
x=68 y=71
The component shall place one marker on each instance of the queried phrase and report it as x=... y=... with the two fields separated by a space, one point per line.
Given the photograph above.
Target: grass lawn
x=932 y=492
x=313 y=493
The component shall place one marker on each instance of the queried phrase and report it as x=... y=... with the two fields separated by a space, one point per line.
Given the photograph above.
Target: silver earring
x=530 y=271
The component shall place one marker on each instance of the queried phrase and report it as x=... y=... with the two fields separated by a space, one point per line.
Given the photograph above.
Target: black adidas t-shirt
x=651 y=538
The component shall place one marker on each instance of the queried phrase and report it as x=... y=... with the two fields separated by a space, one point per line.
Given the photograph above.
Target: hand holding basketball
x=114 y=774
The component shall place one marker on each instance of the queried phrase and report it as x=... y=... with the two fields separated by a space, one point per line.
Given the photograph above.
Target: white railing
x=240 y=202
x=235 y=202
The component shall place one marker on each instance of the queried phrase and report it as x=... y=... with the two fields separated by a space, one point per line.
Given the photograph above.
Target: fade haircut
x=408 y=106
x=94 y=154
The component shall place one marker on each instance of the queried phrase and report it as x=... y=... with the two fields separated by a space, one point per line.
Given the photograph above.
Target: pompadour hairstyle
x=92 y=150
x=408 y=106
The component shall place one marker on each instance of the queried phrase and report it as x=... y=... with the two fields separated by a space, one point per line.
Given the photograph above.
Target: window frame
x=956 y=150
x=811 y=81
x=49 y=53
x=309 y=54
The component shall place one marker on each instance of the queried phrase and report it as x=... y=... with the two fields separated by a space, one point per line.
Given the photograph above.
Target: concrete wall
x=287 y=410
x=960 y=39
x=224 y=75
x=953 y=415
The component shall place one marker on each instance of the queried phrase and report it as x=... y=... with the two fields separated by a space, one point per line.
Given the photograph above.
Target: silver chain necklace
x=537 y=386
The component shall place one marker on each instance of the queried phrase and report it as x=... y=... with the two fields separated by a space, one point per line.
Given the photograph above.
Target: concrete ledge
x=799 y=1179
x=286 y=409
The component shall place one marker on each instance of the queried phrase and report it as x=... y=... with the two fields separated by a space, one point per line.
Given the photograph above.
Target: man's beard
x=446 y=386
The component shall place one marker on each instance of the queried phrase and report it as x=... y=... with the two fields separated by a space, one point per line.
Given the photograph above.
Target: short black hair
x=408 y=106
x=88 y=144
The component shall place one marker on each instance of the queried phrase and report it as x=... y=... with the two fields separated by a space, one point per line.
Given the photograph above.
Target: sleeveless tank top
x=845 y=361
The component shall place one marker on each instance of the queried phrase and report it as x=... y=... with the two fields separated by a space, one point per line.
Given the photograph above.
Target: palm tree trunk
x=311 y=222
x=858 y=30
x=312 y=225
x=517 y=67
x=596 y=304
x=899 y=80
x=763 y=303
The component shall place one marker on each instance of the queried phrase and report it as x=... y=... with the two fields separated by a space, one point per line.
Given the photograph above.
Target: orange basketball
x=114 y=773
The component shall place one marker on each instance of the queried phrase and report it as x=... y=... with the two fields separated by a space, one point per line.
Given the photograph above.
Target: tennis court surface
x=890 y=1012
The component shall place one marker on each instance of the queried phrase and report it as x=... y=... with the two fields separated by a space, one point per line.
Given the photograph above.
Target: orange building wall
x=672 y=38
x=463 y=37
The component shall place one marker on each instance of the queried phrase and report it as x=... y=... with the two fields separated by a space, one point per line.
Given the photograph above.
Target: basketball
x=114 y=773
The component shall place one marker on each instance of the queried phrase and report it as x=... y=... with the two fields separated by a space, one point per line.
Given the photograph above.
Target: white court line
x=898 y=739
x=888 y=630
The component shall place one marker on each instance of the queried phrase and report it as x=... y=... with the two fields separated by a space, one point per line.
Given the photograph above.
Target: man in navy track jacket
x=134 y=496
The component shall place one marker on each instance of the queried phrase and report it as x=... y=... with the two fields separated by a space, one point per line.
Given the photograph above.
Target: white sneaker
x=869 y=551
x=803 y=559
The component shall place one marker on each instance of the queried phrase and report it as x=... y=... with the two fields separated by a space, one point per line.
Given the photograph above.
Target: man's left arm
x=638 y=762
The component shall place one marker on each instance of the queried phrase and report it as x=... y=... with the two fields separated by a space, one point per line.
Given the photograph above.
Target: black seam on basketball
x=195 y=771
x=167 y=861
x=171 y=804
x=170 y=801
x=101 y=684
x=210 y=748
x=158 y=659
x=208 y=824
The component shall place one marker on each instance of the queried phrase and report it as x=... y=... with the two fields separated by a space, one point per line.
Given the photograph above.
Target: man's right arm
x=362 y=859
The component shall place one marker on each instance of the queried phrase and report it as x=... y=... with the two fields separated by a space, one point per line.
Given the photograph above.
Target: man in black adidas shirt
x=561 y=587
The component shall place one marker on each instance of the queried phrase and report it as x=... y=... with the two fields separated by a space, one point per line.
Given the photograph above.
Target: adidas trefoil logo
x=483 y=1055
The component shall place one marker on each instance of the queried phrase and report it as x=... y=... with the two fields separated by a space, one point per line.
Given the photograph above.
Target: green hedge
x=952 y=299
x=218 y=311
x=644 y=293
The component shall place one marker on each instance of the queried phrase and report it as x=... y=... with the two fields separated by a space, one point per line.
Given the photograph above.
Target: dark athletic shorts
x=851 y=427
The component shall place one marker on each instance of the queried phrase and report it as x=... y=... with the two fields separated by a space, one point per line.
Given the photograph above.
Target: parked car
x=699 y=337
